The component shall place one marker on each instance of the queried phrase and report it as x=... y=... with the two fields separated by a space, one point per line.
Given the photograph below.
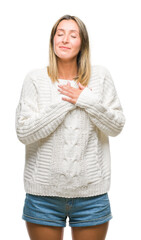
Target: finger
x=68 y=100
x=66 y=92
x=81 y=86
x=68 y=83
x=67 y=89
x=64 y=86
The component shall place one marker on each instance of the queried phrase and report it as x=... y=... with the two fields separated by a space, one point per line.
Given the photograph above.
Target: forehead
x=68 y=25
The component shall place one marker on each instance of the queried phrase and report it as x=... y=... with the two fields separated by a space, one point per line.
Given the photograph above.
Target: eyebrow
x=72 y=30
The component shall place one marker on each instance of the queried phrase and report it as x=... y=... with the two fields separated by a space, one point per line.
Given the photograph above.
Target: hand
x=71 y=92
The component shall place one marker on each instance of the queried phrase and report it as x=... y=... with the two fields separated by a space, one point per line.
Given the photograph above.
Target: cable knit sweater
x=67 y=145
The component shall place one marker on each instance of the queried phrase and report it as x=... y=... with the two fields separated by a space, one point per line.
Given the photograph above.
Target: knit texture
x=67 y=145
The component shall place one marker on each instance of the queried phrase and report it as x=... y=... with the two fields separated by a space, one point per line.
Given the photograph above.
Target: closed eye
x=62 y=35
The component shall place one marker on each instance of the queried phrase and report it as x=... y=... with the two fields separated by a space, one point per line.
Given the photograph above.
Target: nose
x=65 y=38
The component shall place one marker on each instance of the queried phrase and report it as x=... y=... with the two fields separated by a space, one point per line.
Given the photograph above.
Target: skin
x=72 y=93
x=41 y=232
x=67 y=68
x=67 y=35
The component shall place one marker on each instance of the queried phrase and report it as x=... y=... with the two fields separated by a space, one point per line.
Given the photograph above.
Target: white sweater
x=67 y=145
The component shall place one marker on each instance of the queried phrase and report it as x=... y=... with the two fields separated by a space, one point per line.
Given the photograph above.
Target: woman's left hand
x=72 y=93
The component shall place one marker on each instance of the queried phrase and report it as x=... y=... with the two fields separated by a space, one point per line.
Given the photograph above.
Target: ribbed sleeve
x=105 y=112
x=32 y=123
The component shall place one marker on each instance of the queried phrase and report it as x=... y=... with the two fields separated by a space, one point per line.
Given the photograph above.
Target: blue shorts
x=53 y=211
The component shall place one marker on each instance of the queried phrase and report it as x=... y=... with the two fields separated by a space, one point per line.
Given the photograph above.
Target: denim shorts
x=53 y=211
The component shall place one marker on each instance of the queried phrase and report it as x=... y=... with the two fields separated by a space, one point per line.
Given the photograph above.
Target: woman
x=64 y=117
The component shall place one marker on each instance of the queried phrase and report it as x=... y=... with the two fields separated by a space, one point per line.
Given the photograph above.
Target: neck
x=67 y=69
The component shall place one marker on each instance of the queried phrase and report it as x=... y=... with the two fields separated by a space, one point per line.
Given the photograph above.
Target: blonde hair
x=83 y=57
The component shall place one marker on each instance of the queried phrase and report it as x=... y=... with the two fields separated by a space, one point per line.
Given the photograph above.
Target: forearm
x=108 y=119
x=31 y=128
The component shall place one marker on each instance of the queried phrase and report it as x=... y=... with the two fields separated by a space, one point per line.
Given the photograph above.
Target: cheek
x=54 y=42
x=77 y=45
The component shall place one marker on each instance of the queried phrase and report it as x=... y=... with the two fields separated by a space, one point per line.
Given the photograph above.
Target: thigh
x=90 y=211
x=44 y=210
x=97 y=232
x=44 y=232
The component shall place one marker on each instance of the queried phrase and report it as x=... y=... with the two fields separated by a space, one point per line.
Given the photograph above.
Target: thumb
x=81 y=86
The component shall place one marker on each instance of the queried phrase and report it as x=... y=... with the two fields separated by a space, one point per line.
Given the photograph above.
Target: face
x=67 y=40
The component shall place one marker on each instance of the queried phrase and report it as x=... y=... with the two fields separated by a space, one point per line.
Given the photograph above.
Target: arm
x=106 y=113
x=33 y=124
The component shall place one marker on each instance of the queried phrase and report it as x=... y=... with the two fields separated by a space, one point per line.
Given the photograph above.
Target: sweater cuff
x=86 y=98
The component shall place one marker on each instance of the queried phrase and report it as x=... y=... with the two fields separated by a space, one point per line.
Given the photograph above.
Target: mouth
x=64 y=47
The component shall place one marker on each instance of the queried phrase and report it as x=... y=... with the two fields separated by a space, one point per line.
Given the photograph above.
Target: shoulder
x=101 y=76
x=36 y=73
x=34 y=76
x=99 y=70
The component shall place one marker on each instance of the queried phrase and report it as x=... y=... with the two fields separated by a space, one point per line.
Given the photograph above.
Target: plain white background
x=115 y=42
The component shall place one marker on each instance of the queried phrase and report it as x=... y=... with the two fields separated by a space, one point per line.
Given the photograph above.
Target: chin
x=65 y=58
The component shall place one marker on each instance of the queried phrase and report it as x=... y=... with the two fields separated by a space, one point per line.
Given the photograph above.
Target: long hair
x=83 y=57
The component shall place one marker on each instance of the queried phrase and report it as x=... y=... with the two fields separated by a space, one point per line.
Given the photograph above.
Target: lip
x=64 y=47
